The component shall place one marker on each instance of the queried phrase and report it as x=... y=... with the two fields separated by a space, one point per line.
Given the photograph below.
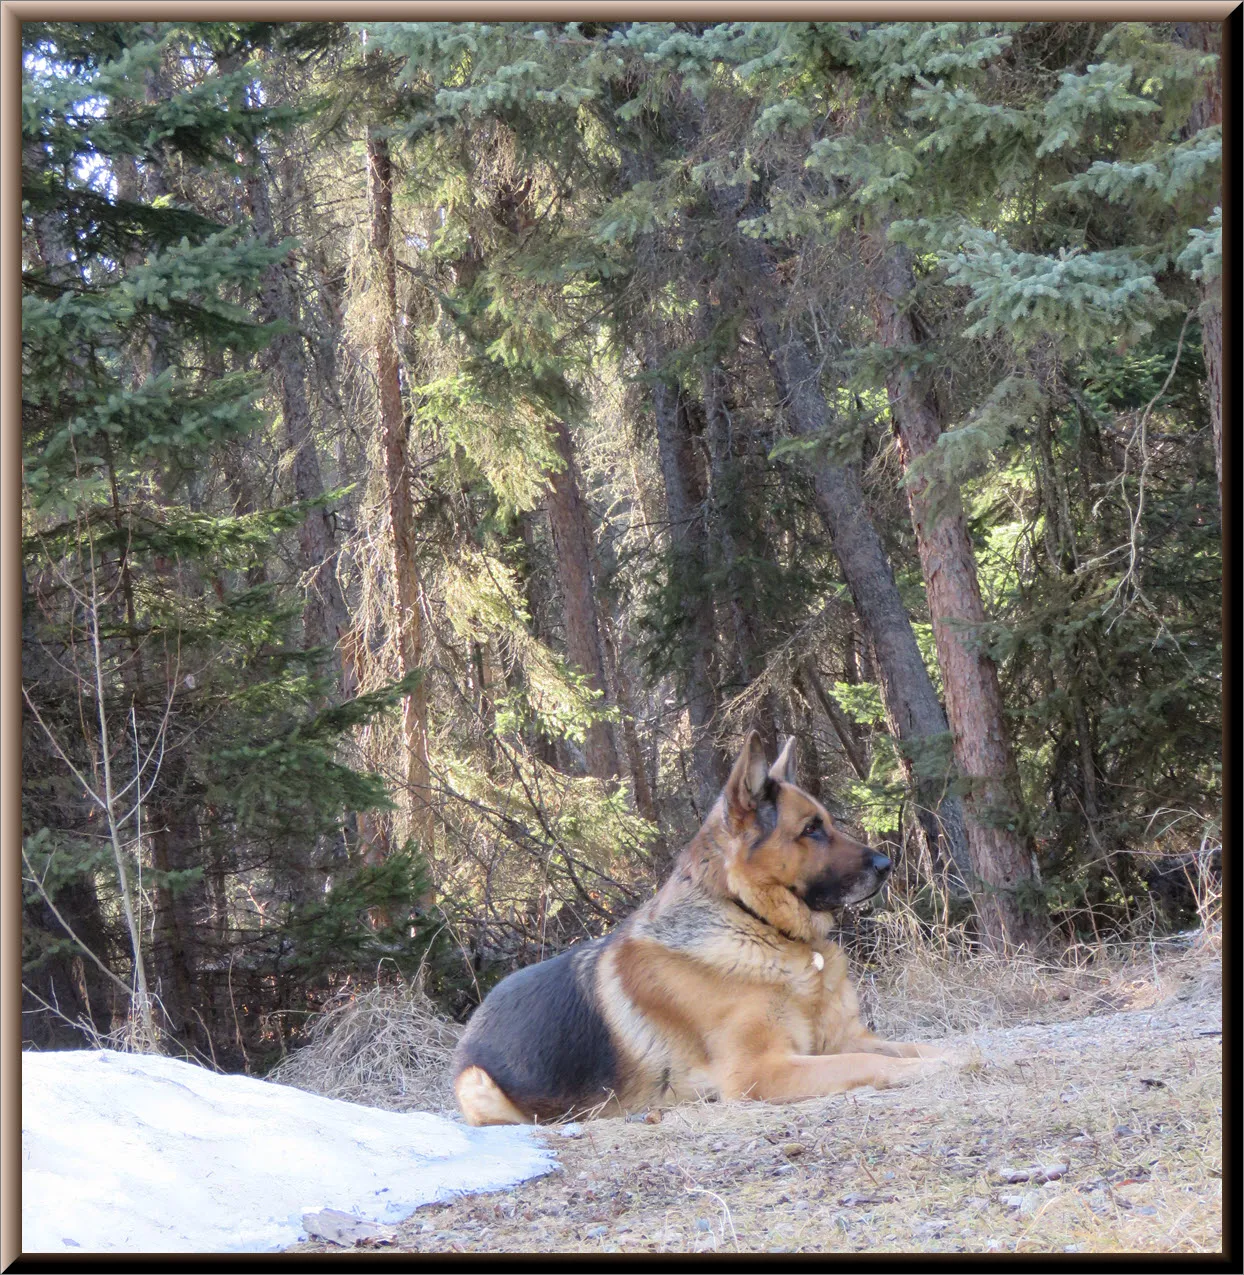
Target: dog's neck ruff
x=817 y=959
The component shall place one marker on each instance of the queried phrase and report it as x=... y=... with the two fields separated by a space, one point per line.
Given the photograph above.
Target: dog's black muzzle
x=834 y=890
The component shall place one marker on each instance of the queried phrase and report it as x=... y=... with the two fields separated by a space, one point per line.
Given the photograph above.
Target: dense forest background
x=443 y=442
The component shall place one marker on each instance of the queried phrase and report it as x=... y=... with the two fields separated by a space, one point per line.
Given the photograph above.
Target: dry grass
x=385 y=1047
x=911 y=986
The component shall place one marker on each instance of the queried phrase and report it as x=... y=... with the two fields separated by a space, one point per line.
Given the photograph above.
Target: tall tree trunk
x=1002 y=858
x=394 y=434
x=569 y=524
x=177 y=925
x=913 y=712
x=536 y=592
x=684 y=498
x=325 y=618
x=719 y=431
x=644 y=801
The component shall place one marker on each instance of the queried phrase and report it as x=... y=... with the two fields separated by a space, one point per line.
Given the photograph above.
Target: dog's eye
x=813 y=827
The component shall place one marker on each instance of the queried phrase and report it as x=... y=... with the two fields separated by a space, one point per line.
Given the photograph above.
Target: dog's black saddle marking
x=541 y=1038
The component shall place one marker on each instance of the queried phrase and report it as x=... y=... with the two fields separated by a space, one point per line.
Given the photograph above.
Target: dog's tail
x=482 y=1101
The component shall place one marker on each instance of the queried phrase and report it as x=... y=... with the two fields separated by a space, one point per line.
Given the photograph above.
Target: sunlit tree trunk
x=1002 y=857
x=569 y=523
x=394 y=435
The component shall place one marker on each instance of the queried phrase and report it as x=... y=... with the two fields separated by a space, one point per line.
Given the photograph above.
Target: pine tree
x=211 y=768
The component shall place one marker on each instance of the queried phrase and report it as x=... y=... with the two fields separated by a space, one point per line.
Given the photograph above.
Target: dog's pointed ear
x=783 y=770
x=747 y=778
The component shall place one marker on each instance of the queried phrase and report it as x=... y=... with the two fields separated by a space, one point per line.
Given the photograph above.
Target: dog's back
x=538 y=1047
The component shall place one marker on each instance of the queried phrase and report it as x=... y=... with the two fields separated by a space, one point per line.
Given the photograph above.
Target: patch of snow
x=144 y=1154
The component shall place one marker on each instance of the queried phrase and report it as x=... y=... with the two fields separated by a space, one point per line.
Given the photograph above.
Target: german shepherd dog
x=724 y=985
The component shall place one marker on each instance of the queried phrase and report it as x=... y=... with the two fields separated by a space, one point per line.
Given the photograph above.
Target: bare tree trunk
x=644 y=801
x=325 y=618
x=536 y=591
x=912 y=709
x=913 y=712
x=837 y=719
x=1002 y=858
x=719 y=430
x=568 y=520
x=683 y=507
x=394 y=429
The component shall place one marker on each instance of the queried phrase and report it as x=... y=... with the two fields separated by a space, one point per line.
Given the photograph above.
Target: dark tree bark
x=913 y=712
x=645 y=802
x=394 y=433
x=536 y=589
x=719 y=434
x=1002 y=859
x=684 y=498
x=569 y=524
x=178 y=923
x=326 y=621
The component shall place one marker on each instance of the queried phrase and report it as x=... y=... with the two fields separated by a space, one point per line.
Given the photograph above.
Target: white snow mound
x=143 y=1154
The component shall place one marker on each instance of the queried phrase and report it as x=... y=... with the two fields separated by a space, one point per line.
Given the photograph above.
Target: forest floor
x=1093 y=1126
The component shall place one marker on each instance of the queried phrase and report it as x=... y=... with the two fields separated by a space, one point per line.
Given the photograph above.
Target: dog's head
x=784 y=858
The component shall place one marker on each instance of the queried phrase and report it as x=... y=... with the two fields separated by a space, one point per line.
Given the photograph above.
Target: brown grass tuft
x=385 y=1047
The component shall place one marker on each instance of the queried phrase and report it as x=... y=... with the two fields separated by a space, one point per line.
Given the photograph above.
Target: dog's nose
x=880 y=864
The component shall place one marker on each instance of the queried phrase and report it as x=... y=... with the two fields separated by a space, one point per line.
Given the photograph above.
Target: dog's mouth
x=831 y=891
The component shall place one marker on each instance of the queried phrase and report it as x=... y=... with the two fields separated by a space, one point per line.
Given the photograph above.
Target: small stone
x=1030 y=1201
x=703 y=1225
x=793 y=1149
x=930 y=1227
x=595 y=1232
x=572 y=1130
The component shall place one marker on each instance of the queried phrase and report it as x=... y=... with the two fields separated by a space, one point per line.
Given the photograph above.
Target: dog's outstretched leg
x=482 y=1101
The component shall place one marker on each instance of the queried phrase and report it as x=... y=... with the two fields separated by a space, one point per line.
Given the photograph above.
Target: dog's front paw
x=960 y=1057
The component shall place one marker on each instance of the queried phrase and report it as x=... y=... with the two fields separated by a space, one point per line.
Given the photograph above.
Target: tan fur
x=703 y=999
x=482 y=1102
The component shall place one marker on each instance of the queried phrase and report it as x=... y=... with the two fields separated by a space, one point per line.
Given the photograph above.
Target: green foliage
x=861 y=702
x=369 y=915
x=229 y=769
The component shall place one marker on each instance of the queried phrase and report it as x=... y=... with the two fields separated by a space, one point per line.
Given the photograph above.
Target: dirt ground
x=1098 y=1132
